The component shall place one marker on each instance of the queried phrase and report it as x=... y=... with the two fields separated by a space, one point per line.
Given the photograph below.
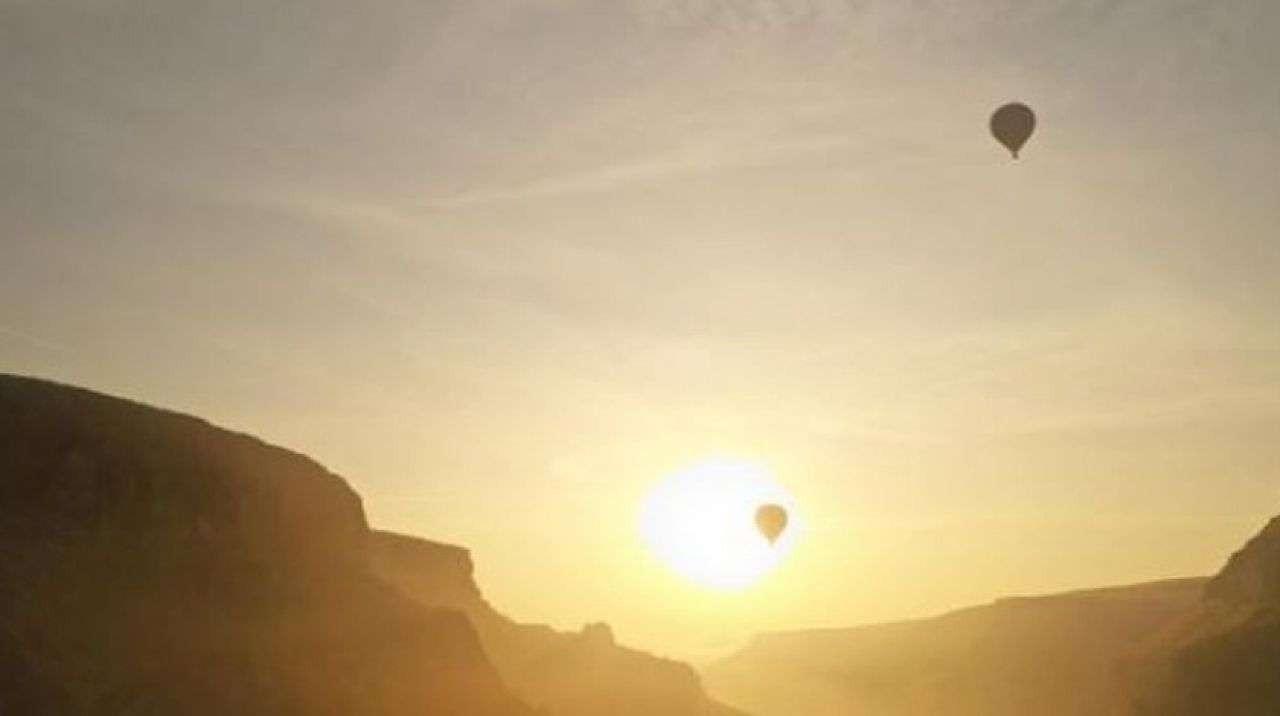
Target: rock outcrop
x=151 y=563
x=1252 y=575
x=569 y=674
x=1225 y=659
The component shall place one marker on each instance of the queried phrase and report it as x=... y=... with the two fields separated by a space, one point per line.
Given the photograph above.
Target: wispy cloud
x=704 y=159
x=32 y=340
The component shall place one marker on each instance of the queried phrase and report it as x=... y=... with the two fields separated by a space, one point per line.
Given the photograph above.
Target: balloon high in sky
x=771 y=521
x=1012 y=125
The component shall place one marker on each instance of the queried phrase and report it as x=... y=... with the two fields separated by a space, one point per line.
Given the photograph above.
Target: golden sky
x=505 y=265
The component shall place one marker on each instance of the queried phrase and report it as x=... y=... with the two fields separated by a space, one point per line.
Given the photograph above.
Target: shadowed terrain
x=1225 y=658
x=151 y=563
x=571 y=674
x=1178 y=648
x=1067 y=654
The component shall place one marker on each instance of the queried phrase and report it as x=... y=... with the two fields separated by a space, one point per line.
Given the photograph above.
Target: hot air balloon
x=1012 y=126
x=771 y=520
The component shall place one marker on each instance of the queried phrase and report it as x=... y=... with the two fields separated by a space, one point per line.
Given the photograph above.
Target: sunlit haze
x=699 y=521
x=512 y=266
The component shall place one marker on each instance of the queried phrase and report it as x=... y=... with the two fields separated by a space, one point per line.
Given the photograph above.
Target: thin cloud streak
x=33 y=340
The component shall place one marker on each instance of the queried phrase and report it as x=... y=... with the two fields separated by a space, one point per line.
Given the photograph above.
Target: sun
x=700 y=521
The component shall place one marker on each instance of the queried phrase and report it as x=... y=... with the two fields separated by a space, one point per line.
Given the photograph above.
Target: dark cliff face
x=570 y=674
x=1252 y=575
x=84 y=470
x=1225 y=660
x=153 y=564
x=432 y=573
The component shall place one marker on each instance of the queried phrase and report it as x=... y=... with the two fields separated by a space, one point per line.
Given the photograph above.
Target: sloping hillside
x=570 y=674
x=153 y=564
x=1225 y=659
x=1067 y=655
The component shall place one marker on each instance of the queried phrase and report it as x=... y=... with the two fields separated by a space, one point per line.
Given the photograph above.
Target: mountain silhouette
x=1191 y=647
x=151 y=563
x=1060 y=655
x=569 y=674
x=1225 y=658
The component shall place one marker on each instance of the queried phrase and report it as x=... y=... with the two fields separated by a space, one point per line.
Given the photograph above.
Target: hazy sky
x=505 y=264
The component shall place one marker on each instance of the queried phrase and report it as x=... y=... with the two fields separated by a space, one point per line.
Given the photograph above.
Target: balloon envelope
x=1012 y=126
x=771 y=520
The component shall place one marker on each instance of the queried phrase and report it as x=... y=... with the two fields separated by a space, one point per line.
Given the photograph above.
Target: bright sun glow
x=700 y=521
